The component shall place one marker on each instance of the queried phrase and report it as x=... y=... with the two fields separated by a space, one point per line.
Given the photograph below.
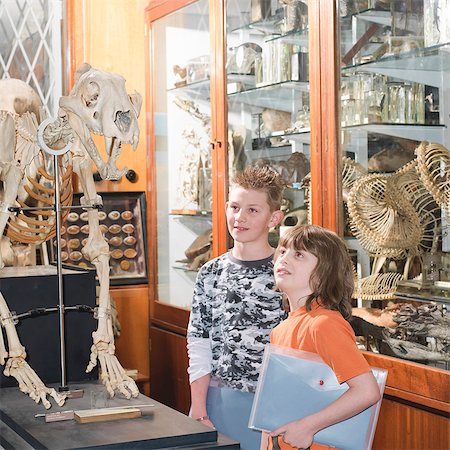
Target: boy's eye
x=253 y=210
x=298 y=254
x=282 y=251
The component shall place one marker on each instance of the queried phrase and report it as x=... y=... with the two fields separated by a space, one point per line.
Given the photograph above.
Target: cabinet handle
x=214 y=144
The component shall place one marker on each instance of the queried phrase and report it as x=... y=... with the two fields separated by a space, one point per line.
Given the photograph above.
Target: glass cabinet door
x=395 y=58
x=268 y=94
x=182 y=126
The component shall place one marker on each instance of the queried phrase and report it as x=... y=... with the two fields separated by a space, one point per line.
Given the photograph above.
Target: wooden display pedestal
x=34 y=289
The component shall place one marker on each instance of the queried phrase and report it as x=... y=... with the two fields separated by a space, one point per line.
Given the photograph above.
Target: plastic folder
x=294 y=384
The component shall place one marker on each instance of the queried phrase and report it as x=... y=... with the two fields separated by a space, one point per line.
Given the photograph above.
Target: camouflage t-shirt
x=236 y=305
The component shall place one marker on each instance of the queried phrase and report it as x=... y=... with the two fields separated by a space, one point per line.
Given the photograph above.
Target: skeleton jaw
x=108 y=170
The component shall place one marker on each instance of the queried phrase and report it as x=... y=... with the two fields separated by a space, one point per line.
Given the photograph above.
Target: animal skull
x=98 y=103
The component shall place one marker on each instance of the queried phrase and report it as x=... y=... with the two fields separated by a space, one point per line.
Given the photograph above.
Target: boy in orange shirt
x=313 y=269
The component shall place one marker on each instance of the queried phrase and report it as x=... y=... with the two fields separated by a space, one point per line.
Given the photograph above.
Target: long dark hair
x=331 y=280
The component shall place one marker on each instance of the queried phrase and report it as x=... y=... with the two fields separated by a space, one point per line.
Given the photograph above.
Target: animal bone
x=195 y=189
x=275 y=120
x=414 y=351
x=201 y=259
x=351 y=171
x=433 y=166
x=390 y=159
x=424 y=320
x=180 y=75
x=379 y=286
x=382 y=217
x=295 y=217
x=293 y=170
x=200 y=245
x=98 y=103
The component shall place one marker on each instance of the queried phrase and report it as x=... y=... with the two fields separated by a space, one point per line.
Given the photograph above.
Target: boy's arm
x=199 y=392
x=199 y=350
x=363 y=392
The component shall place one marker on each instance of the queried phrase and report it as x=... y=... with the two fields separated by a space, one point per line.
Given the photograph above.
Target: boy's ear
x=226 y=205
x=277 y=217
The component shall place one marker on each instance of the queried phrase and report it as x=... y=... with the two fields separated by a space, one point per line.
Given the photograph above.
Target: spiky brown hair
x=263 y=179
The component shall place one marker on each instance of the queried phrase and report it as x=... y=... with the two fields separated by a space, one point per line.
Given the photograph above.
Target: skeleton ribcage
x=39 y=225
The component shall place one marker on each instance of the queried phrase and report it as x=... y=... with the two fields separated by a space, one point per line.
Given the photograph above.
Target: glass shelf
x=379 y=16
x=189 y=212
x=413 y=290
x=201 y=89
x=303 y=135
x=184 y=267
x=237 y=81
x=198 y=88
x=294 y=37
x=279 y=96
x=417 y=132
x=267 y=26
x=423 y=65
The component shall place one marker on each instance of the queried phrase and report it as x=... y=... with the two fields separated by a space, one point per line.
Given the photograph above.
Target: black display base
x=35 y=288
x=159 y=427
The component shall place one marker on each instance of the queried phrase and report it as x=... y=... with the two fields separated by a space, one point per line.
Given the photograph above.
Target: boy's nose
x=240 y=216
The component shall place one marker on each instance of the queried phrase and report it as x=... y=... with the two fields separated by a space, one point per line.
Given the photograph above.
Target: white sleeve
x=200 y=357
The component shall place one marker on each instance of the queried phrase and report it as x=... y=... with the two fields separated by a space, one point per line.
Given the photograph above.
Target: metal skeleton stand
x=57 y=207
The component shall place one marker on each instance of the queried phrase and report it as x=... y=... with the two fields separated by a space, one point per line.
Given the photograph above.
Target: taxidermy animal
x=98 y=103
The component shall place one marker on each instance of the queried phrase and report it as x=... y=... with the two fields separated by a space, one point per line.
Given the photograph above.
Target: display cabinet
x=267 y=123
x=394 y=132
x=182 y=154
x=269 y=93
x=218 y=101
x=395 y=138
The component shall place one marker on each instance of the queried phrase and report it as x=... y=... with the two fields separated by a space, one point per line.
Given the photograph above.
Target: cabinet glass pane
x=268 y=94
x=395 y=59
x=182 y=118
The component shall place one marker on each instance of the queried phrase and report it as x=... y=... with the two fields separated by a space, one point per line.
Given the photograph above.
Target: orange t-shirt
x=327 y=333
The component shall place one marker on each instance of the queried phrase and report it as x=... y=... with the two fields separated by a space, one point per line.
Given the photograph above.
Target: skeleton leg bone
x=17 y=367
x=12 y=175
x=96 y=250
x=377 y=264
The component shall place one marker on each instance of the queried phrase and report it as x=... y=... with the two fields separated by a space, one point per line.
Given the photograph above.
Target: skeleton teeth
x=108 y=144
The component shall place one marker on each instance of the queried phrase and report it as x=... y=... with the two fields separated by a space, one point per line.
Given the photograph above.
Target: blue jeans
x=229 y=411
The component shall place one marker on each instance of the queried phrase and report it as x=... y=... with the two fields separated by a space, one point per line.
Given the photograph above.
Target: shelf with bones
x=398 y=208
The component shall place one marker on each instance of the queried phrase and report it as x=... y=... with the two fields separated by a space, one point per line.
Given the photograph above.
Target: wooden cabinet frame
x=413 y=390
x=325 y=164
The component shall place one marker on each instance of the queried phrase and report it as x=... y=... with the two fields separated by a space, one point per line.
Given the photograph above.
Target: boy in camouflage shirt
x=235 y=308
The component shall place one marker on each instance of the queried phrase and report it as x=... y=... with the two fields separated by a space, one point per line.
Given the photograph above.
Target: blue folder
x=294 y=384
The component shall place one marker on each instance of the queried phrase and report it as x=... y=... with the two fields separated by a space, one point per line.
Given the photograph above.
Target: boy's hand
x=208 y=423
x=296 y=434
